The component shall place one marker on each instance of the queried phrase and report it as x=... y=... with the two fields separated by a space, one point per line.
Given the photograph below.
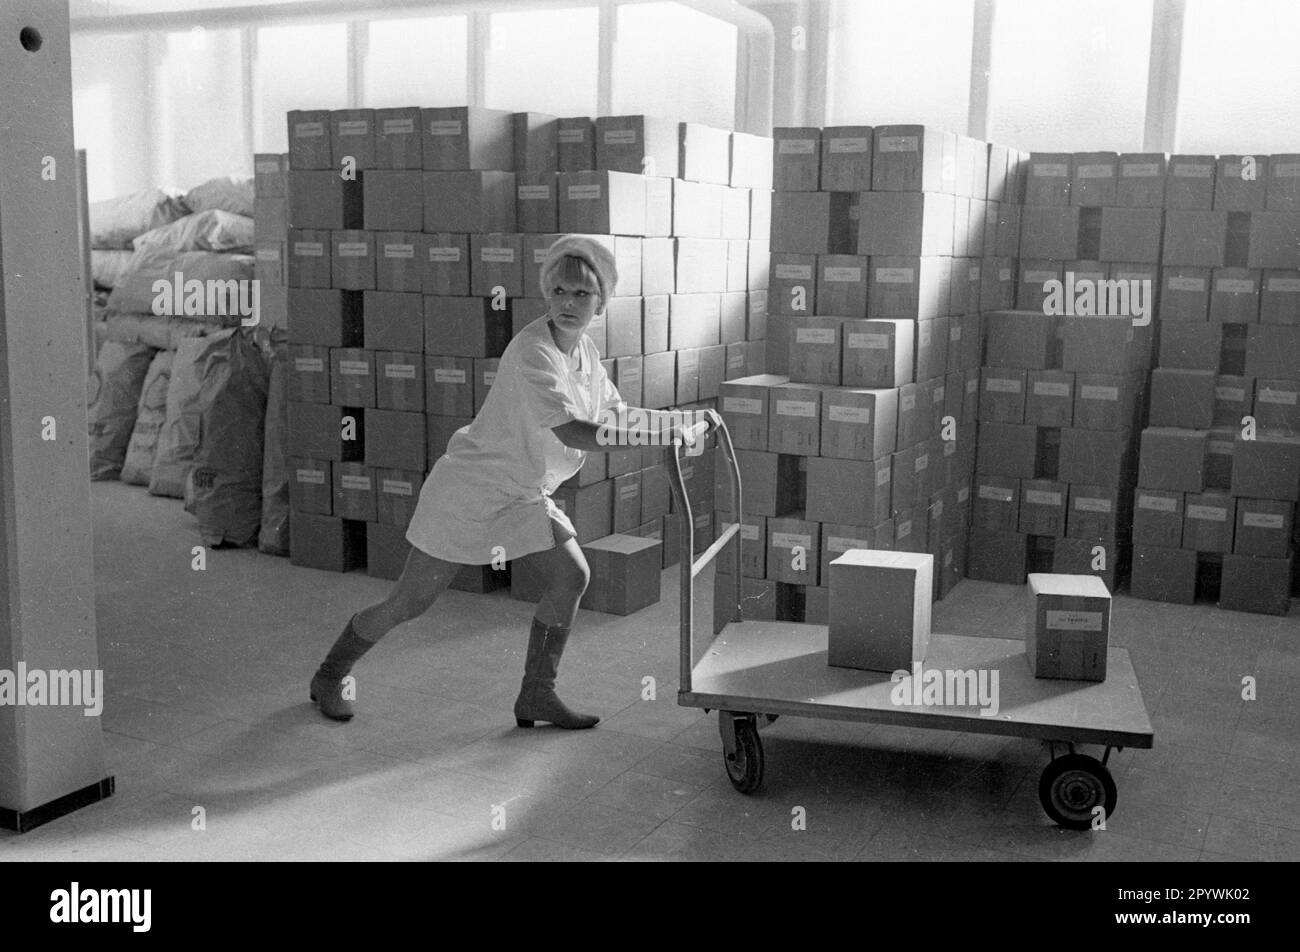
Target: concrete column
x=51 y=757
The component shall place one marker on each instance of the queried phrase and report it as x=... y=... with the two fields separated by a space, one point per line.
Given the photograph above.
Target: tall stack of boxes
x=270 y=218
x=887 y=244
x=412 y=258
x=1219 y=470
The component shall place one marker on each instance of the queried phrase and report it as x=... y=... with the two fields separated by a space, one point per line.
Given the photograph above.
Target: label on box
x=1262 y=520
x=315 y=477
x=1230 y=394
x=742 y=405
x=1208 y=513
x=583 y=193
x=1186 y=284
x=842 y=274
x=268 y=254
x=629 y=374
x=1090 y=504
x=796 y=408
x=972 y=384
x=1286 y=169
x=530 y=193
x=954 y=333
x=308 y=130
x=749 y=531
x=399 y=371
x=1281 y=397
x=907 y=402
x=309 y=365
x=882 y=476
x=309 y=249
x=267 y=167
x=571 y=135
x=1001 y=385
x=703 y=520
x=399 y=251
x=903 y=530
x=936 y=511
x=814 y=335
x=788 y=540
x=1074 y=621
x=353 y=249
x=1039 y=277
x=849 y=414
x=974 y=273
x=1289 y=285
x=497 y=255
x=922 y=462
x=1193 y=171
x=1093 y=392
x=894 y=275
x=448 y=376
x=947 y=557
x=354 y=127
x=995 y=494
x=1004 y=274
x=794 y=272
x=489 y=378
x=444 y=127
x=1050 y=170
x=850 y=145
x=620 y=137
x=796 y=147
x=539 y=255
x=396 y=487
x=1042 y=497
x=361 y=483
x=397 y=127
x=1157 y=503
x=629 y=491
x=843 y=544
x=898 y=144
x=1096 y=171
x=1047 y=388
x=963 y=494
x=938 y=395
x=1234 y=286
x=354 y=368
x=444 y=255
x=1140 y=170
x=860 y=341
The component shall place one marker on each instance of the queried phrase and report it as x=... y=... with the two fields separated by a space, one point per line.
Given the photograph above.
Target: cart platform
x=780 y=668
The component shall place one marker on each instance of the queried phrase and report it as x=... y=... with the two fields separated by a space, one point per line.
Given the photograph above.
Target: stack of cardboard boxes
x=270 y=228
x=887 y=243
x=413 y=248
x=1219 y=471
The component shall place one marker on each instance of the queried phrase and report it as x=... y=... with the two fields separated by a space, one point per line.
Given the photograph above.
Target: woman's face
x=573 y=303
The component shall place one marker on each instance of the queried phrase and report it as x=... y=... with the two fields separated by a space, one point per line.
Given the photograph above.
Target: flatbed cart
x=754 y=671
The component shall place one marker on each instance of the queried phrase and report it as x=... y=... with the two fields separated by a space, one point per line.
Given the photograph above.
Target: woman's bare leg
x=423 y=579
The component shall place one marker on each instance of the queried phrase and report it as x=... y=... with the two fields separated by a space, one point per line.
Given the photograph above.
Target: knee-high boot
x=537 y=700
x=327 y=685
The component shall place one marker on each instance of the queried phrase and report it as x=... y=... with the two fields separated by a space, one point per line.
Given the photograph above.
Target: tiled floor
x=207 y=724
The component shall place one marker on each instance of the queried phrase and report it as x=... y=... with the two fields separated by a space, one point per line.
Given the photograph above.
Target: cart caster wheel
x=745 y=770
x=1072 y=786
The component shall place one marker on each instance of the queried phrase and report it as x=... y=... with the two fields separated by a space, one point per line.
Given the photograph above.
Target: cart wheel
x=1072 y=786
x=745 y=771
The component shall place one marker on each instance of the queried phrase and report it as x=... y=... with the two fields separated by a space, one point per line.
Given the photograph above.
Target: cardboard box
x=269 y=265
x=998 y=285
x=270 y=170
x=910 y=158
x=1264 y=528
x=996 y=503
x=1187 y=346
x=1190 y=182
x=1279 y=300
x=858 y=424
x=1219 y=452
x=1131 y=234
x=1182 y=398
x=1100 y=345
x=393 y=200
x=796 y=159
x=1185 y=295
x=354 y=492
x=309 y=259
x=311 y=486
x=1095 y=512
x=1068 y=627
x=449 y=385
x=855 y=491
x=398 y=139
x=352 y=377
x=1042 y=507
x=400 y=260
x=439 y=430
x=792 y=288
x=352 y=264
x=879 y=610
x=1234 y=296
x=811 y=223
x=1093 y=178
x=744 y=408
x=637 y=144
x=700 y=265
x=815 y=350
x=317 y=431
x=1158 y=517
x=1208 y=522
x=694 y=320
x=386 y=551
x=399 y=381
x=627 y=501
x=1002 y=395
x=1277 y=406
x=734 y=317
x=794 y=419
x=1049 y=398
x=1274 y=240
x=469 y=202
x=537 y=202
x=1007 y=449
x=1195 y=238
x=914 y=415
x=770 y=481
x=752 y=543
x=1094 y=457
x=659 y=380
x=496 y=266
x=467 y=137
x=625 y=574
x=309 y=373
x=396 y=493
x=327 y=542
x=323 y=201
x=1141 y=181
x=1233 y=191
x=1163 y=574
x=1254 y=584
x=1048 y=183
x=606 y=202
x=536 y=144
x=1267 y=467
x=704 y=153
x=589 y=508
x=842 y=285
x=396 y=439
x=846 y=159
x=793 y=548
x=485 y=374
x=465 y=326
x=997 y=556
x=697 y=209
x=1050 y=232
x=575 y=139
x=751 y=161
x=1283 y=192
x=1233 y=398
x=1172 y=459
x=1272 y=351
x=309 y=139
x=904 y=224
x=688 y=376
x=445 y=265
x=907 y=288
x=1020 y=339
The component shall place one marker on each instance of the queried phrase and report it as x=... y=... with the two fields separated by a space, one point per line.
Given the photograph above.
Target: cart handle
x=690 y=567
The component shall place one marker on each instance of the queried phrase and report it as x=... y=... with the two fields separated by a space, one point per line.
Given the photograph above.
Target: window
x=198 y=103
x=303 y=66
x=107 y=71
x=415 y=63
x=1070 y=75
x=675 y=62
x=1239 y=76
x=894 y=63
x=544 y=61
